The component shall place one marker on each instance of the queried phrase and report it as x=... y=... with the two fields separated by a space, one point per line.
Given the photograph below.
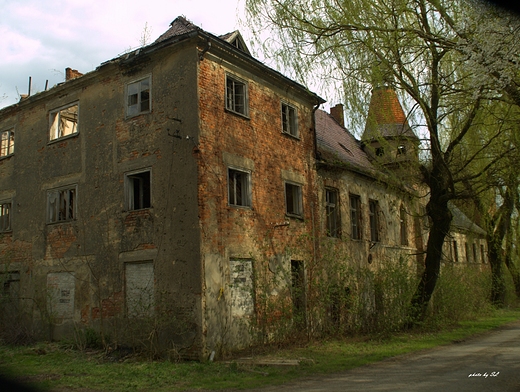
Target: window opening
x=7 y=143
x=236 y=96
x=239 y=188
x=62 y=205
x=138 y=190
x=374 y=220
x=289 y=120
x=5 y=217
x=333 y=213
x=355 y=217
x=293 y=199
x=138 y=97
x=64 y=122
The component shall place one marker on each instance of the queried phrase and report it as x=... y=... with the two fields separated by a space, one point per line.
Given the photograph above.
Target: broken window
x=138 y=97
x=355 y=217
x=138 y=190
x=5 y=216
x=64 y=122
x=293 y=199
x=374 y=220
x=7 y=143
x=289 y=120
x=404 y=226
x=61 y=204
x=236 y=95
x=333 y=213
x=239 y=188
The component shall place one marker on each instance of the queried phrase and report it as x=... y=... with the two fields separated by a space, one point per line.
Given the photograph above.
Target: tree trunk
x=498 y=286
x=441 y=219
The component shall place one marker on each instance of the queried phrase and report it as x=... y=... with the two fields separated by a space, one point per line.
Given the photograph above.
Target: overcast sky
x=40 y=38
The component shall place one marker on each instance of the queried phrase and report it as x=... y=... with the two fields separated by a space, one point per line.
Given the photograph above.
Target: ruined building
x=164 y=182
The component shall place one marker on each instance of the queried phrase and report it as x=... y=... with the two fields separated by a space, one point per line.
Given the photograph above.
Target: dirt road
x=488 y=363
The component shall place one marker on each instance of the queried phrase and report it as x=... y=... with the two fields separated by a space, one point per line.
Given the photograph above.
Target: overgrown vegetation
x=59 y=366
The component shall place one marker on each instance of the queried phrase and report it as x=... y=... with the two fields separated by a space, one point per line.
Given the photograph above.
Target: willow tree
x=423 y=49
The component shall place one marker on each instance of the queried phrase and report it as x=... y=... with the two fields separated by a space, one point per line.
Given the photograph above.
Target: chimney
x=337 y=113
x=72 y=74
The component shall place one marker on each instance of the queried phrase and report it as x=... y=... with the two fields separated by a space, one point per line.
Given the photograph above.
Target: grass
x=53 y=366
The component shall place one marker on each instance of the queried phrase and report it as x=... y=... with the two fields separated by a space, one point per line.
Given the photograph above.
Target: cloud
x=41 y=38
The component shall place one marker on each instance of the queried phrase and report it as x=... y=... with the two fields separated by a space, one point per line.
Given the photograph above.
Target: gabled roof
x=337 y=145
x=386 y=118
x=179 y=26
x=235 y=39
x=462 y=222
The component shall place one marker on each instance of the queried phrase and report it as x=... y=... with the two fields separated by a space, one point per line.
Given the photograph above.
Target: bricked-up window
x=5 y=216
x=239 y=188
x=236 y=95
x=293 y=199
x=138 y=97
x=373 y=212
x=333 y=213
x=139 y=289
x=61 y=204
x=289 y=120
x=7 y=143
x=241 y=282
x=63 y=122
x=403 y=218
x=138 y=190
x=355 y=217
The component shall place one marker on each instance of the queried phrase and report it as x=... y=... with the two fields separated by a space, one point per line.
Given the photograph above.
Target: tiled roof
x=337 y=145
x=386 y=117
x=179 y=26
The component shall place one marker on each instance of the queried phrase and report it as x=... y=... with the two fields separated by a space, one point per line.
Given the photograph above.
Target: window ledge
x=290 y=135
x=60 y=139
x=242 y=115
x=6 y=156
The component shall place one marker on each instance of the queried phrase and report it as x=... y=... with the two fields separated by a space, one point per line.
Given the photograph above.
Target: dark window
x=138 y=190
x=475 y=254
x=380 y=151
x=293 y=199
x=7 y=143
x=404 y=226
x=455 y=252
x=374 y=220
x=401 y=150
x=239 y=188
x=61 y=204
x=333 y=213
x=64 y=122
x=138 y=97
x=298 y=290
x=355 y=217
x=236 y=96
x=5 y=217
x=482 y=254
x=466 y=250
x=289 y=120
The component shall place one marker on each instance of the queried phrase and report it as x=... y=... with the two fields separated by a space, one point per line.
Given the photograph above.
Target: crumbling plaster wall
x=263 y=231
x=104 y=236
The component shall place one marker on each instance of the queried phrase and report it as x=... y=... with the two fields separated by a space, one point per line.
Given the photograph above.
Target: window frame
x=356 y=221
x=333 y=213
x=55 y=116
x=129 y=189
x=373 y=213
x=246 y=194
x=10 y=139
x=295 y=190
x=289 y=117
x=130 y=113
x=6 y=219
x=54 y=216
x=403 y=226
x=231 y=103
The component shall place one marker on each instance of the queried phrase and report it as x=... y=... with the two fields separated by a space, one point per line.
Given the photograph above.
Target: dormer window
x=401 y=150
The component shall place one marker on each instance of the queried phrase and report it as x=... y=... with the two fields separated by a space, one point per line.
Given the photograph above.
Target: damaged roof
x=386 y=117
x=179 y=26
x=337 y=145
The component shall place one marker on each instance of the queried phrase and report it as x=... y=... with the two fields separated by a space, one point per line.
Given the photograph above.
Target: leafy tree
x=431 y=52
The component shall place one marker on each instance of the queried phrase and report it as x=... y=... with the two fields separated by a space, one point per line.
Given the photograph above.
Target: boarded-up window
x=60 y=293
x=241 y=276
x=139 y=279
